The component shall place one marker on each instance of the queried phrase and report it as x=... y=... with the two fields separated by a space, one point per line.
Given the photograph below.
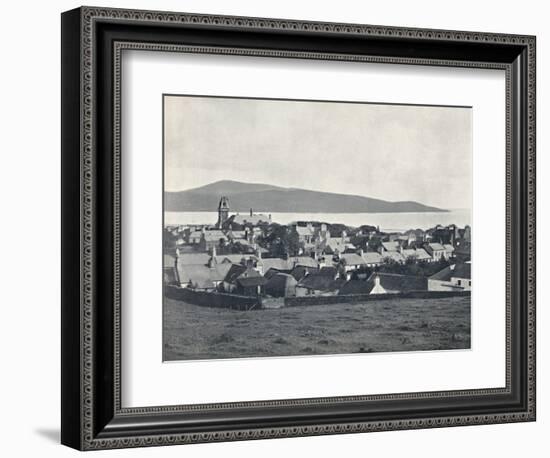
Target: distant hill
x=267 y=198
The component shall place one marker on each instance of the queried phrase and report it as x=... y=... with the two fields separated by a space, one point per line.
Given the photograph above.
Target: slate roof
x=195 y=236
x=303 y=261
x=200 y=276
x=408 y=253
x=236 y=235
x=435 y=246
x=300 y=272
x=252 y=280
x=319 y=283
x=275 y=263
x=304 y=230
x=356 y=287
x=336 y=244
x=422 y=254
x=353 y=259
x=234 y=258
x=390 y=246
x=329 y=271
x=169 y=260
x=462 y=270
x=281 y=285
x=271 y=272
x=234 y=271
x=394 y=255
x=193 y=258
x=371 y=257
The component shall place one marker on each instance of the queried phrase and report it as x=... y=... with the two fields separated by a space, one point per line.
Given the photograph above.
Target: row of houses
x=301 y=276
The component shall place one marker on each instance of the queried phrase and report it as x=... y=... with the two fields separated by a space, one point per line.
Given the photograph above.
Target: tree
x=341 y=268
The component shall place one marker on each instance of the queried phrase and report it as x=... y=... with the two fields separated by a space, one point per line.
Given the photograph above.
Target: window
x=459 y=282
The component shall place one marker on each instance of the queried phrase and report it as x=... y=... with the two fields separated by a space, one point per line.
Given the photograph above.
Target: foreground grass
x=194 y=332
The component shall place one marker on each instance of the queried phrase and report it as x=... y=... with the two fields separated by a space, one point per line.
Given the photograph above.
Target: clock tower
x=223 y=211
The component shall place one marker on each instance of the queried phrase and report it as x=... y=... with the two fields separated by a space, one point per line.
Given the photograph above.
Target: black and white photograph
x=314 y=227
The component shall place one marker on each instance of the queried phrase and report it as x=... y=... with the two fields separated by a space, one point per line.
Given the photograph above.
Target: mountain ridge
x=269 y=198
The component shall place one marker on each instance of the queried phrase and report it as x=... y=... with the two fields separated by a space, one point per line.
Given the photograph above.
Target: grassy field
x=195 y=332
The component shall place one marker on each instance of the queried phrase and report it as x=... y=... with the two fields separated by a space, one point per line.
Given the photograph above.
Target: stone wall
x=212 y=299
x=351 y=298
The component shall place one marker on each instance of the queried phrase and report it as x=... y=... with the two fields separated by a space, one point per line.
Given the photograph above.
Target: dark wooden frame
x=92 y=40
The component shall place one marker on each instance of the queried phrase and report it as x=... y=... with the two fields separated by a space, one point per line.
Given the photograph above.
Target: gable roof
x=393 y=255
x=247 y=282
x=234 y=258
x=200 y=276
x=214 y=235
x=195 y=235
x=303 y=261
x=319 y=282
x=390 y=246
x=356 y=287
x=275 y=263
x=304 y=230
x=271 y=272
x=281 y=285
x=234 y=271
x=435 y=246
x=193 y=258
x=300 y=272
x=372 y=257
x=419 y=253
x=328 y=271
x=352 y=259
x=331 y=245
x=407 y=253
x=460 y=270
x=422 y=254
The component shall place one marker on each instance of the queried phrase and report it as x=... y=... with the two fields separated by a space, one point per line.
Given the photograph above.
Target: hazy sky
x=390 y=152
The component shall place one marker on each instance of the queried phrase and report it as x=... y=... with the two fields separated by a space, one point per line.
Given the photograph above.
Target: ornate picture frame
x=93 y=416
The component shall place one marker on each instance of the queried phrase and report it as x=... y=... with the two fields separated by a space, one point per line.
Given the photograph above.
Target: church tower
x=223 y=211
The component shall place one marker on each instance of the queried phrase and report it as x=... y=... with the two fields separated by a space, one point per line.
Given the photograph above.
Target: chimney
x=361 y=252
x=213 y=251
x=251 y=212
x=376 y=281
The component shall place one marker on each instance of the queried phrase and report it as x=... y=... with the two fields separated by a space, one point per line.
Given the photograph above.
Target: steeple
x=223 y=211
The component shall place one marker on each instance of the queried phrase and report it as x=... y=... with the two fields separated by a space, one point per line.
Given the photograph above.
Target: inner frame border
x=119 y=48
